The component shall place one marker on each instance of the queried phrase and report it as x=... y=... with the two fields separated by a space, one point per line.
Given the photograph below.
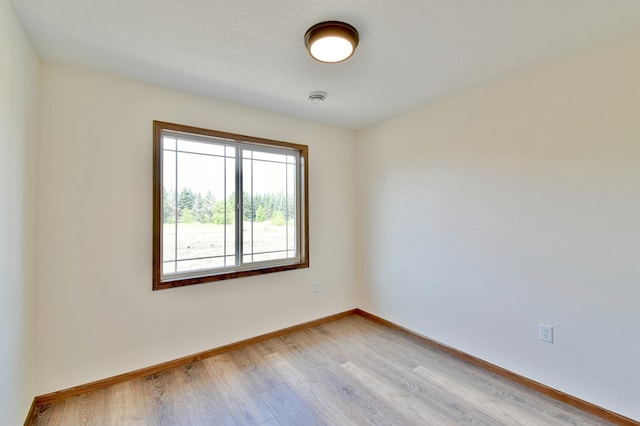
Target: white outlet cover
x=546 y=333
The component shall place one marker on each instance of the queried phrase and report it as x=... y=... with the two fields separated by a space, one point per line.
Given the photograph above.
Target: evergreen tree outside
x=278 y=219
x=187 y=216
x=249 y=207
x=168 y=205
x=231 y=208
x=186 y=199
x=267 y=206
x=195 y=208
x=205 y=211
x=291 y=207
x=260 y=215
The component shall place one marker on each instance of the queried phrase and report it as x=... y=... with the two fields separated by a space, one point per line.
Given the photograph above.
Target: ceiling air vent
x=317 y=97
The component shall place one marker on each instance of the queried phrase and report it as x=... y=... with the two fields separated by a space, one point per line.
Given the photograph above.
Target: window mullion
x=253 y=207
x=224 y=209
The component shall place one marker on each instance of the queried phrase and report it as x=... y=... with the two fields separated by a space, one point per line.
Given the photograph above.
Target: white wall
x=515 y=204
x=19 y=68
x=97 y=315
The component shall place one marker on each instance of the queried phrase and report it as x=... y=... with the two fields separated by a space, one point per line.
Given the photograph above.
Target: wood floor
x=352 y=371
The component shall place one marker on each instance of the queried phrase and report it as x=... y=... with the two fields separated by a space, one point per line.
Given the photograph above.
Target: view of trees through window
x=191 y=207
x=199 y=215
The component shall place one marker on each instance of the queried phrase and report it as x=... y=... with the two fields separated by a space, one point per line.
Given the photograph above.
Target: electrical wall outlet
x=546 y=333
x=316 y=287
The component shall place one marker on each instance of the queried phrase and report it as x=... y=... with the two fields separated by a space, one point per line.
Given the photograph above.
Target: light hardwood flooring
x=351 y=371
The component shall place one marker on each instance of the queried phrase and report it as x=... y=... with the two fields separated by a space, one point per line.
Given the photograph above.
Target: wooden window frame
x=302 y=216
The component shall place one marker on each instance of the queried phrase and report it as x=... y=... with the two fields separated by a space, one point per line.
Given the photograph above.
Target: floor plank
x=236 y=391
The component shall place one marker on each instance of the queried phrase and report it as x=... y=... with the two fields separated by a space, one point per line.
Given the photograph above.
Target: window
x=226 y=206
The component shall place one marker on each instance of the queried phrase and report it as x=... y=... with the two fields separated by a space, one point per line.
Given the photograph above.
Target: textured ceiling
x=251 y=52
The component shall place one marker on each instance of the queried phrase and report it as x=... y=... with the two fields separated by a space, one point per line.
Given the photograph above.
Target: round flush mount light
x=331 y=41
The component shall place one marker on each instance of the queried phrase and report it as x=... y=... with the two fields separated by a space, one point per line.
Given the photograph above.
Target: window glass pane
x=200 y=147
x=268 y=156
x=269 y=177
x=200 y=264
x=169 y=143
x=168 y=243
x=204 y=234
x=263 y=257
x=269 y=223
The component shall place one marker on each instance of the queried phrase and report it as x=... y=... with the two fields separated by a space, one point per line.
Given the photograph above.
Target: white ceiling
x=411 y=52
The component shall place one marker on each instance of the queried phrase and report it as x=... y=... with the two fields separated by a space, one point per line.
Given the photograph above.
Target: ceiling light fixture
x=331 y=41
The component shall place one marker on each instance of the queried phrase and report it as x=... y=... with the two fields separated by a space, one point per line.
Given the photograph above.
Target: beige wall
x=515 y=204
x=97 y=315
x=19 y=68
